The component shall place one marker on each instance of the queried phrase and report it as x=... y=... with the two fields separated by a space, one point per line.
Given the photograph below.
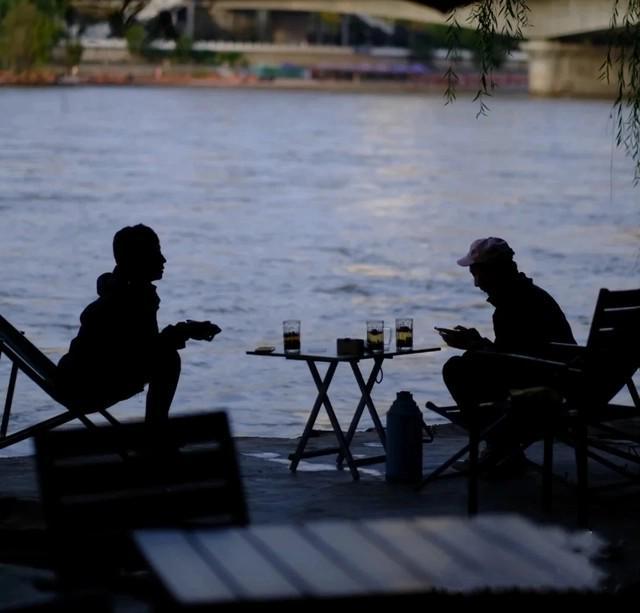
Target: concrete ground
x=318 y=490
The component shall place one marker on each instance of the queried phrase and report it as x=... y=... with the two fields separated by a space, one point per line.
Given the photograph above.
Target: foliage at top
x=27 y=34
x=623 y=58
x=48 y=7
x=485 y=14
x=124 y=18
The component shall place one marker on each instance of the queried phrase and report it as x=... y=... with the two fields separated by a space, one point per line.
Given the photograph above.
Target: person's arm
x=464 y=338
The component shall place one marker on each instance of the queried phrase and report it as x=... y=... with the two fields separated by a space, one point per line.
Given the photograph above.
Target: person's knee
x=167 y=362
x=173 y=361
x=453 y=370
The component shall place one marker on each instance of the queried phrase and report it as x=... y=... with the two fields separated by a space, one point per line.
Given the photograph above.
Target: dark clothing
x=526 y=319
x=118 y=348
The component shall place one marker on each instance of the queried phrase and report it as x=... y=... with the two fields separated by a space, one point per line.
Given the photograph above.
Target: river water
x=331 y=208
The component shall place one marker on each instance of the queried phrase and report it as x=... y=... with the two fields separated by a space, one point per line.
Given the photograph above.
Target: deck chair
x=26 y=357
x=98 y=485
x=612 y=352
x=597 y=428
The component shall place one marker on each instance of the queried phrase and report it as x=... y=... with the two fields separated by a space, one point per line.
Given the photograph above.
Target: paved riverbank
x=318 y=490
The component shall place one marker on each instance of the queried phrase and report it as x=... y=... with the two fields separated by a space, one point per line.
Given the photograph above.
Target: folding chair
x=98 y=485
x=605 y=364
x=27 y=358
x=611 y=357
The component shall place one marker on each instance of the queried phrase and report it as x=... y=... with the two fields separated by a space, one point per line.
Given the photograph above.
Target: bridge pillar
x=263 y=25
x=563 y=69
x=345 y=22
x=189 y=26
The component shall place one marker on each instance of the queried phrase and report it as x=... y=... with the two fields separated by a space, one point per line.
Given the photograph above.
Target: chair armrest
x=565 y=351
x=568 y=346
x=535 y=362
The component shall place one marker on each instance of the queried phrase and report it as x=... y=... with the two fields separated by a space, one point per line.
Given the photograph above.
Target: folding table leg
x=342 y=441
x=365 y=399
x=322 y=399
x=323 y=386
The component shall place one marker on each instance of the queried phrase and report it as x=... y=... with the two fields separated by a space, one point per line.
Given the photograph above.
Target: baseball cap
x=484 y=250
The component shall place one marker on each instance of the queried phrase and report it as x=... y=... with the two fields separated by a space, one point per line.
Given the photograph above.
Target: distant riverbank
x=146 y=75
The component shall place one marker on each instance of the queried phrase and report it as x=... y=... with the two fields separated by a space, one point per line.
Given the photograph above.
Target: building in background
x=273 y=44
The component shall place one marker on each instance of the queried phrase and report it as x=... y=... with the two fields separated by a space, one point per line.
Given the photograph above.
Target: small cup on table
x=378 y=336
x=404 y=334
x=291 y=335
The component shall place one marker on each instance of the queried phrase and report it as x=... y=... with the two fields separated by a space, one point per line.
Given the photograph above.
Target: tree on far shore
x=27 y=36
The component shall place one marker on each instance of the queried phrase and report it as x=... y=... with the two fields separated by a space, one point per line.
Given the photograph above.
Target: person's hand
x=461 y=337
x=201 y=330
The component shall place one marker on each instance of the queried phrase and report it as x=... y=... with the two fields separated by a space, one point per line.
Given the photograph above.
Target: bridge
x=556 y=66
x=547 y=18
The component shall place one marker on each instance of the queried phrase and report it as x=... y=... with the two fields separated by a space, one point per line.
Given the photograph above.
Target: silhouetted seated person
x=526 y=320
x=119 y=348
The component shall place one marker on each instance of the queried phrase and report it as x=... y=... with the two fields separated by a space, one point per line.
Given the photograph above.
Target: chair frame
x=616 y=316
x=26 y=357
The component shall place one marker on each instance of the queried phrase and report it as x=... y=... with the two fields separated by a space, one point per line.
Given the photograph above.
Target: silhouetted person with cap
x=525 y=320
x=119 y=348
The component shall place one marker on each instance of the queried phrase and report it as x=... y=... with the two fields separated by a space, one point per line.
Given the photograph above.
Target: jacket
x=527 y=318
x=117 y=340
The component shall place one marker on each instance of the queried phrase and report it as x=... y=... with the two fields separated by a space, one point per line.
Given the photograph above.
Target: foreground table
x=322 y=399
x=344 y=559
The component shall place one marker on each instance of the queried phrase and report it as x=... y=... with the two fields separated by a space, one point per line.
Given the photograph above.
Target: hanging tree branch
x=484 y=18
x=130 y=8
x=487 y=23
x=485 y=14
x=623 y=59
x=453 y=55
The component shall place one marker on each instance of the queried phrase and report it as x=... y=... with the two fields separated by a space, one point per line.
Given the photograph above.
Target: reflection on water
x=329 y=208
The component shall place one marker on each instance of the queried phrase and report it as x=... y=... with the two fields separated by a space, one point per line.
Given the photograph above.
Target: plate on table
x=264 y=349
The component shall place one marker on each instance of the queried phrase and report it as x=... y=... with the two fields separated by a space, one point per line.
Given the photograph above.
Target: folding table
x=322 y=399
